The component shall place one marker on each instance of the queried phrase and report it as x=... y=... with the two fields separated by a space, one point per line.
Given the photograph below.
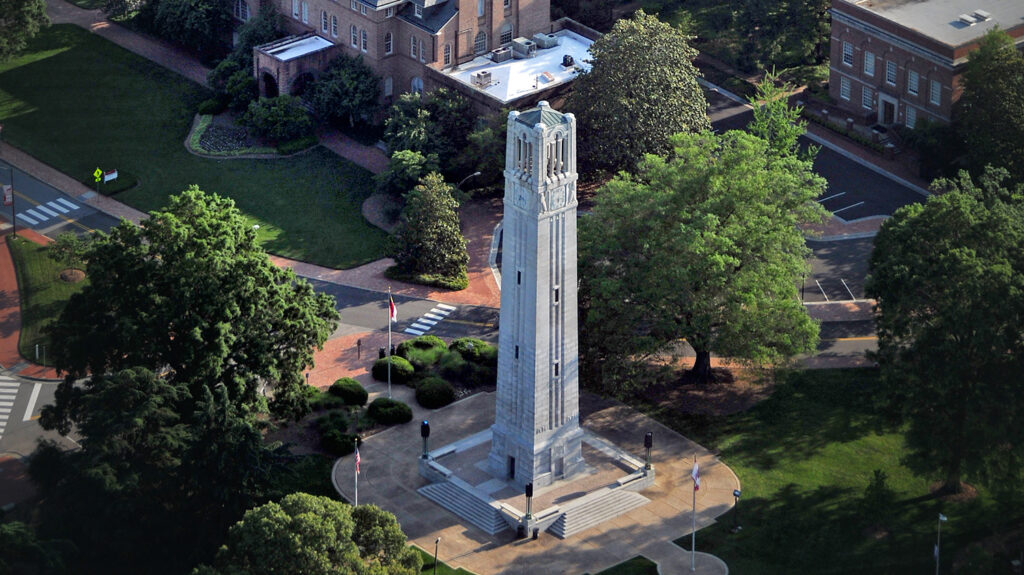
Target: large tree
x=306 y=534
x=191 y=294
x=20 y=21
x=346 y=91
x=949 y=280
x=428 y=240
x=642 y=88
x=991 y=107
x=702 y=245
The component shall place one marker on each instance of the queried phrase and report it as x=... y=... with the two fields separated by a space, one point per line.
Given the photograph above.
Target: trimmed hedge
x=476 y=351
x=421 y=342
x=434 y=392
x=401 y=370
x=333 y=436
x=455 y=367
x=389 y=411
x=350 y=391
x=423 y=351
x=213 y=106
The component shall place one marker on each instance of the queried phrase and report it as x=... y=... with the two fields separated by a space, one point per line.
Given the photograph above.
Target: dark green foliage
x=782 y=33
x=428 y=239
x=333 y=420
x=321 y=401
x=456 y=368
x=23 y=552
x=437 y=123
x=389 y=411
x=476 y=351
x=297 y=145
x=423 y=351
x=878 y=496
x=404 y=171
x=241 y=90
x=198 y=25
x=69 y=250
x=279 y=119
x=347 y=90
x=379 y=538
x=334 y=438
x=349 y=390
x=938 y=147
x=401 y=370
x=20 y=21
x=484 y=151
x=212 y=106
x=228 y=67
x=434 y=392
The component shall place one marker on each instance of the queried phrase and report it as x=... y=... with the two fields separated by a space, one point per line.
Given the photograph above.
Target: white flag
x=695 y=474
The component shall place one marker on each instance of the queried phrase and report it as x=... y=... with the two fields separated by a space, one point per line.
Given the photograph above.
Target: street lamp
x=736 y=511
x=473 y=175
x=436 y=543
x=14 y=223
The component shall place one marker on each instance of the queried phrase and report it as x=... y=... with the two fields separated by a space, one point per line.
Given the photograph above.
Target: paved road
x=21 y=401
x=47 y=210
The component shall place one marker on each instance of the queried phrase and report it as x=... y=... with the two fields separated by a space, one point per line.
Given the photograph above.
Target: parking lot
x=838 y=270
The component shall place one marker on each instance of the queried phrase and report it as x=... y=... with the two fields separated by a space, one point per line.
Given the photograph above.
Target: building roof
x=294 y=47
x=940 y=19
x=516 y=78
x=543 y=114
x=434 y=17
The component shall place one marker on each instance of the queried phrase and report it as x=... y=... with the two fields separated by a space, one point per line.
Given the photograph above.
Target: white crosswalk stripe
x=27 y=219
x=444 y=306
x=37 y=215
x=47 y=210
x=70 y=205
x=430 y=319
x=57 y=207
x=413 y=331
x=8 y=392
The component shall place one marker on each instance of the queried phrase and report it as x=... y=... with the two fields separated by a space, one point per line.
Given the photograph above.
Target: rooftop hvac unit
x=981 y=15
x=501 y=54
x=482 y=78
x=523 y=48
x=967 y=19
x=545 y=40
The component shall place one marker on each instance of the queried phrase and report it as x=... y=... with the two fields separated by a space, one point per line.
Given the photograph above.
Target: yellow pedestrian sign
x=98 y=174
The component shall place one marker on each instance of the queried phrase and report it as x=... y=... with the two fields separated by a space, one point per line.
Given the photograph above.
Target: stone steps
x=594 y=509
x=460 y=500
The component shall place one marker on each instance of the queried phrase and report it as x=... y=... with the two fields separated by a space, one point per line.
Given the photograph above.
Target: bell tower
x=536 y=436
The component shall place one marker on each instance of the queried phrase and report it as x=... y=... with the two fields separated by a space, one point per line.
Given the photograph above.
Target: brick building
x=900 y=61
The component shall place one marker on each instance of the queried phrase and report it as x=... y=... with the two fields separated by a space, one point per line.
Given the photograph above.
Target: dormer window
x=419 y=11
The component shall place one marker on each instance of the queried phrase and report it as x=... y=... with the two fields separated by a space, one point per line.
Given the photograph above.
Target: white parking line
x=57 y=207
x=67 y=203
x=853 y=297
x=846 y=208
x=30 y=221
x=822 y=290
x=47 y=210
x=32 y=401
x=823 y=200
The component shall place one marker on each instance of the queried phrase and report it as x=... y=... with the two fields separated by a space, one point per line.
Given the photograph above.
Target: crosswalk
x=430 y=319
x=8 y=391
x=43 y=212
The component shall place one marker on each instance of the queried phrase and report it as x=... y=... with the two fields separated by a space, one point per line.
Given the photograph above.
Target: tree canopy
x=948 y=277
x=428 y=239
x=348 y=89
x=306 y=534
x=642 y=88
x=701 y=245
x=991 y=107
x=20 y=21
x=190 y=294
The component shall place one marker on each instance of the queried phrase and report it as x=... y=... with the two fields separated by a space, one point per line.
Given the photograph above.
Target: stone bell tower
x=536 y=436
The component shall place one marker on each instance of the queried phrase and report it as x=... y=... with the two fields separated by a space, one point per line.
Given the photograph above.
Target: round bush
x=389 y=411
x=338 y=443
x=421 y=342
x=435 y=392
x=335 y=420
x=212 y=106
x=476 y=351
x=401 y=370
x=455 y=367
x=422 y=352
x=350 y=391
x=277 y=119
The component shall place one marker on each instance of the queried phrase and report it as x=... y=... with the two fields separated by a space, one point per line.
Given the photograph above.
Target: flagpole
x=357 y=483
x=389 y=341
x=938 y=545
x=693 y=535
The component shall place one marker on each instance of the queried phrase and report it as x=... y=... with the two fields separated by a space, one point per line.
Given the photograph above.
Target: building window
x=388 y=44
x=389 y=86
x=295 y=9
x=867 y=98
x=912 y=79
x=354 y=34
x=419 y=11
x=869 y=64
x=911 y=117
x=323 y=22
x=417 y=85
x=847 y=54
x=506 y=34
x=480 y=43
x=423 y=53
x=844 y=88
x=364 y=40
x=506 y=3
x=412 y=47
x=353 y=4
x=334 y=26
x=890 y=73
x=362 y=9
x=935 y=94
x=447 y=54
x=305 y=13
x=389 y=12
x=480 y=5
x=241 y=10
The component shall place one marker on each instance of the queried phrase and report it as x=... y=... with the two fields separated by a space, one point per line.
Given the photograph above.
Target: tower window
x=556 y=369
x=517 y=352
x=556 y=295
x=519 y=278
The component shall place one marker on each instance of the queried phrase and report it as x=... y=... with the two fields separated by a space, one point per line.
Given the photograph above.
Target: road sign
x=98 y=174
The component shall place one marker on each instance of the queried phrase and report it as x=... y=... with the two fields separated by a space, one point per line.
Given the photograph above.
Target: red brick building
x=900 y=61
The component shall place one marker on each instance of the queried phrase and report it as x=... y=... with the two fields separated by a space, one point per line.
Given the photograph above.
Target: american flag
x=392 y=310
x=695 y=474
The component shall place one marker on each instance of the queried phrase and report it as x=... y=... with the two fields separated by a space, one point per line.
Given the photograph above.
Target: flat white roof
x=940 y=19
x=516 y=78
x=299 y=48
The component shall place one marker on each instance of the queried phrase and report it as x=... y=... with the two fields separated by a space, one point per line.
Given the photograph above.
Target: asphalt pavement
x=47 y=210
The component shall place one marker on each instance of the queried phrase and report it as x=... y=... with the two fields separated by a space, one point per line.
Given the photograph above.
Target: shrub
x=338 y=443
x=476 y=351
x=435 y=392
x=454 y=366
x=277 y=119
x=401 y=370
x=297 y=145
x=241 y=90
x=389 y=411
x=334 y=420
x=212 y=106
x=422 y=352
x=349 y=390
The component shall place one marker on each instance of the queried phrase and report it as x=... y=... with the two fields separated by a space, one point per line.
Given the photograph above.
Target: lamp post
x=14 y=223
x=736 y=511
x=648 y=444
x=437 y=542
x=473 y=175
x=938 y=542
x=425 y=433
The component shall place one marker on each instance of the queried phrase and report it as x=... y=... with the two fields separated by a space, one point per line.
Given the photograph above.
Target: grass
x=442 y=567
x=43 y=294
x=638 y=565
x=78 y=102
x=805 y=457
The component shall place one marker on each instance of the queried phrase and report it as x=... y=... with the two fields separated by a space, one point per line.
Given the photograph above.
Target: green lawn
x=638 y=565
x=804 y=458
x=442 y=567
x=78 y=102
x=43 y=294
